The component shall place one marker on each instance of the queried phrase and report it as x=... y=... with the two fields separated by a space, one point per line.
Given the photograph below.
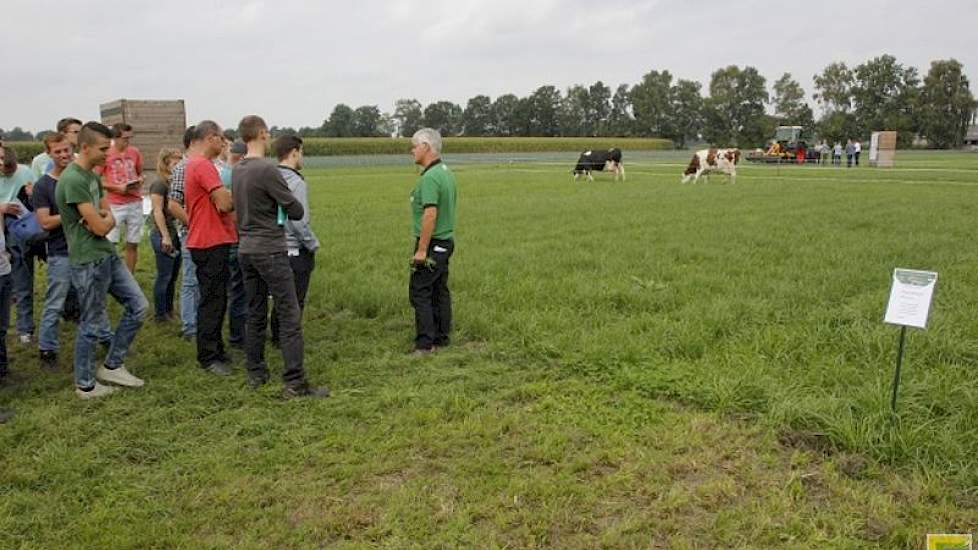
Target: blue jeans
x=237 y=300
x=22 y=289
x=167 y=267
x=93 y=282
x=59 y=283
x=189 y=290
x=5 y=284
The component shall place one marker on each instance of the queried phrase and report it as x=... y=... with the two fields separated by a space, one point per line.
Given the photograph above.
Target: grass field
x=640 y=364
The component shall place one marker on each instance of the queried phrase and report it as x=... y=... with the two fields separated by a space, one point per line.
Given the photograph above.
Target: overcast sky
x=292 y=61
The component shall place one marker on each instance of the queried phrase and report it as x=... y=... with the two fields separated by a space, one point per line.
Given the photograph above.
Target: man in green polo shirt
x=96 y=269
x=433 y=208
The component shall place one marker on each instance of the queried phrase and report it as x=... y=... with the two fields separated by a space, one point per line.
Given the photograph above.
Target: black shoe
x=218 y=368
x=305 y=390
x=5 y=415
x=257 y=379
x=49 y=360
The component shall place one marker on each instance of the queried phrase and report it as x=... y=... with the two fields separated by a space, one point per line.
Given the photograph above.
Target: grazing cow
x=713 y=160
x=599 y=160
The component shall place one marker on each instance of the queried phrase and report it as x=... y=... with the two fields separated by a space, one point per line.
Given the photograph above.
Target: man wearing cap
x=433 y=209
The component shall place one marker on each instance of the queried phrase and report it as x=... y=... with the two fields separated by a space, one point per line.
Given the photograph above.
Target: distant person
x=210 y=234
x=16 y=186
x=850 y=151
x=837 y=154
x=857 y=148
x=59 y=269
x=259 y=192
x=42 y=163
x=189 y=289
x=300 y=240
x=824 y=153
x=122 y=177
x=433 y=209
x=96 y=270
x=163 y=236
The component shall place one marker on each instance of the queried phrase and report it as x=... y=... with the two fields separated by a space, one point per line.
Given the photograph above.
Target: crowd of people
x=232 y=225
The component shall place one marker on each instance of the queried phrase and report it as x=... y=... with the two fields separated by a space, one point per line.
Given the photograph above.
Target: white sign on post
x=874 y=147
x=910 y=298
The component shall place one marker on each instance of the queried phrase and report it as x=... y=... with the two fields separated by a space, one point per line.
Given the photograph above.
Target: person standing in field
x=300 y=239
x=259 y=192
x=96 y=270
x=16 y=186
x=122 y=177
x=59 y=285
x=857 y=148
x=163 y=236
x=850 y=151
x=237 y=299
x=837 y=154
x=209 y=238
x=43 y=162
x=433 y=209
x=189 y=289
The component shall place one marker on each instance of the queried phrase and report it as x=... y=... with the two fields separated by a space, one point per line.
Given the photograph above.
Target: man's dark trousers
x=266 y=274
x=430 y=298
x=302 y=265
x=212 y=276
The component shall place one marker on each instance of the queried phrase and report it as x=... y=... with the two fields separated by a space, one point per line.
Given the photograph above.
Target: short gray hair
x=429 y=136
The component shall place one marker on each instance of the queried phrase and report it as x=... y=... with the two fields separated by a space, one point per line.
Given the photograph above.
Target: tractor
x=786 y=146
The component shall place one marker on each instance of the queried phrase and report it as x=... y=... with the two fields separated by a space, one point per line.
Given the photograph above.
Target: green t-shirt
x=435 y=187
x=76 y=186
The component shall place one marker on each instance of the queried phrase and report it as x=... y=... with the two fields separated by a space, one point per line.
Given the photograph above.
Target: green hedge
x=327 y=147
x=318 y=147
x=26 y=150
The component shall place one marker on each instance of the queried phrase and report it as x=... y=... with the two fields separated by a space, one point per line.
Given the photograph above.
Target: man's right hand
x=10 y=208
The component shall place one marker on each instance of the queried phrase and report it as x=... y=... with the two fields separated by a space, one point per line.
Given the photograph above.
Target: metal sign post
x=909 y=306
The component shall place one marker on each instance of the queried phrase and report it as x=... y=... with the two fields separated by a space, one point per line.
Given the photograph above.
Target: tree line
x=737 y=109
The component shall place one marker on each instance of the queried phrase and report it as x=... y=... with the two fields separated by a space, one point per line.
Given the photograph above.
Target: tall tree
x=17 y=134
x=946 y=104
x=575 y=112
x=444 y=116
x=477 y=118
x=504 y=115
x=366 y=121
x=545 y=102
x=884 y=96
x=650 y=104
x=620 y=121
x=833 y=88
x=524 y=124
x=734 y=112
x=686 y=104
x=599 y=107
x=340 y=122
x=409 y=116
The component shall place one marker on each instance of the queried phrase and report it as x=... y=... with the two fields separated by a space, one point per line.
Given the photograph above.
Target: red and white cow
x=713 y=160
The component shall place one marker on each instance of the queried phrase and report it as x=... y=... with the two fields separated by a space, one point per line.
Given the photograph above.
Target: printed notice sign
x=910 y=297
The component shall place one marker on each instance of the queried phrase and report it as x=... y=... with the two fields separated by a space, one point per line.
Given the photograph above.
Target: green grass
x=636 y=365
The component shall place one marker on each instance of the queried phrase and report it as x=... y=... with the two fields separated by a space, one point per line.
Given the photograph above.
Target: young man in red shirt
x=122 y=177
x=210 y=234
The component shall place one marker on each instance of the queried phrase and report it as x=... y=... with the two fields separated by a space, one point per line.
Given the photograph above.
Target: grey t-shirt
x=259 y=189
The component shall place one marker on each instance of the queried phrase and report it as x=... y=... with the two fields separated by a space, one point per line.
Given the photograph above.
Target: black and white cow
x=599 y=160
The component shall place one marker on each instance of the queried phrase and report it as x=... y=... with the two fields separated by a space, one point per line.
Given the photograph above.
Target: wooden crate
x=155 y=124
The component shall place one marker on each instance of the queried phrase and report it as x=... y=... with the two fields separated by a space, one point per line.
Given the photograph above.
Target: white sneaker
x=98 y=391
x=25 y=339
x=118 y=376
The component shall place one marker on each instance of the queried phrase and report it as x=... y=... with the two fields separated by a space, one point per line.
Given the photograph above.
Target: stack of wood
x=155 y=124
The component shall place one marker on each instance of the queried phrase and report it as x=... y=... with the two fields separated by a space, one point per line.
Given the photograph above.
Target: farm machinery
x=787 y=146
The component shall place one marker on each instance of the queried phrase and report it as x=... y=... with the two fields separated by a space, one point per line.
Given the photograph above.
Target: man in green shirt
x=96 y=269
x=433 y=209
